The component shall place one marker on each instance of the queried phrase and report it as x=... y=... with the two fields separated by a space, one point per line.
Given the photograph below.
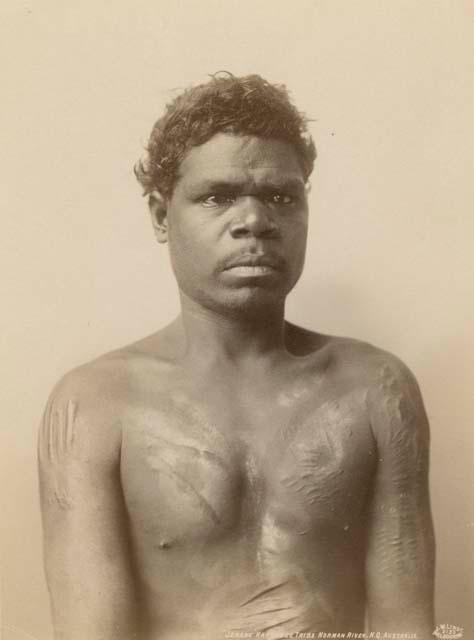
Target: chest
x=197 y=470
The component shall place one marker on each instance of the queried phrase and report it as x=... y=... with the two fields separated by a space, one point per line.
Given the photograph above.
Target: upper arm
x=87 y=558
x=400 y=555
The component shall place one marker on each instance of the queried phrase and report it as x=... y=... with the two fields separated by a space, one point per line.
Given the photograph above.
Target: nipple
x=165 y=544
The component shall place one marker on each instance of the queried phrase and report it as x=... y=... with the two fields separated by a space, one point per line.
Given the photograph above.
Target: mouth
x=254 y=265
x=251 y=270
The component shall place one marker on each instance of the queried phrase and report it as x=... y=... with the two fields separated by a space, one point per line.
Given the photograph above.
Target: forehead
x=240 y=159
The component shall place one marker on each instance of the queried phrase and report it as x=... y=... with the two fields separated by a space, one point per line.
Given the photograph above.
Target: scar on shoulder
x=398 y=395
x=57 y=441
x=58 y=431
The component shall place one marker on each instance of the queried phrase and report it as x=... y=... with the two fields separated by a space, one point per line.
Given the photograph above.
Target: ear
x=159 y=215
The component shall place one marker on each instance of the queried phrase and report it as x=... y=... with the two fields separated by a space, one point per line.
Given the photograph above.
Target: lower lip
x=252 y=270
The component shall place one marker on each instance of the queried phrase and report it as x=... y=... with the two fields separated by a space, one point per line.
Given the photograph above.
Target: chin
x=251 y=300
x=244 y=300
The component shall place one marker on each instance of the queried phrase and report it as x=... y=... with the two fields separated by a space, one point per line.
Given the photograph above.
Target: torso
x=247 y=504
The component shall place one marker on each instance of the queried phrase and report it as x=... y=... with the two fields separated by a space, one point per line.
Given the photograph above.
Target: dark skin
x=234 y=473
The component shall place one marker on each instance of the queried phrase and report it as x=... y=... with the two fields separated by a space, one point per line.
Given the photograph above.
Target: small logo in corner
x=448 y=632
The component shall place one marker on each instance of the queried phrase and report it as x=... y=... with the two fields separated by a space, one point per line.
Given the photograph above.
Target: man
x=233 y=474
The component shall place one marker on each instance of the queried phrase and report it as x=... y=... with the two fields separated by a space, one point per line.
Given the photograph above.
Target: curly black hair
x=246 y=105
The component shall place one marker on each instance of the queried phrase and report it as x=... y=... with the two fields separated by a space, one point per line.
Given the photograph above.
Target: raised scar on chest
x=314 y=469
x=192 y=422
x=160 y=448
x=195 y=471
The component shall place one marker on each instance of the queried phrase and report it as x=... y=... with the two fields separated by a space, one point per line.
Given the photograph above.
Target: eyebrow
x=219 y=186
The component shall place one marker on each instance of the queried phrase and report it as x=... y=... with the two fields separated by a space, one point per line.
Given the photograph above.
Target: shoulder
x=386 y=383
x=376 y=369
x=382 y=374
x=390 y=380
x=112 y=380
x=393 y=398
x=97 y=385
x=348 y=356
x=88 y=406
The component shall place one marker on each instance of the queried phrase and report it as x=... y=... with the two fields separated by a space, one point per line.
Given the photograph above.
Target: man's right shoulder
x=82 y=407
x=95 y=384
x=111 y=380
x=90 y=404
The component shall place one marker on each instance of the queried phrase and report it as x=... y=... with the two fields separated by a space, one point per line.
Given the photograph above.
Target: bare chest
x=193 y=471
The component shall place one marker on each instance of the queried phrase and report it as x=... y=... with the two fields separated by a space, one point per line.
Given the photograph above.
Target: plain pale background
x=389 y=84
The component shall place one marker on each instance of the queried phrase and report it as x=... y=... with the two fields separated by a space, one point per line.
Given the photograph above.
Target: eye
x=280 y=199
x=218 y=200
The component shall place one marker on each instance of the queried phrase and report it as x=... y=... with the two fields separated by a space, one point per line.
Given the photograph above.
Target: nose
x=252 y=218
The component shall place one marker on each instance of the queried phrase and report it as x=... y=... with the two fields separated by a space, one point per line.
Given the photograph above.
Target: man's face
x=237 y=223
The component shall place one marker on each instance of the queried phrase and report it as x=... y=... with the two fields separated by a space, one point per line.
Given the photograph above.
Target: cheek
x=296 y=235
x=188 y=234
x=189 y=253
x=296 y=251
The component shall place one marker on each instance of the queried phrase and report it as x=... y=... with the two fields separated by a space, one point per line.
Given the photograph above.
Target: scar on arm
x=56 y=448
x=403 y=536
x=408 y=432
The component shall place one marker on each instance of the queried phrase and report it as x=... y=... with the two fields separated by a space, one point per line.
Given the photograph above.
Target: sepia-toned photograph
x=238 y=307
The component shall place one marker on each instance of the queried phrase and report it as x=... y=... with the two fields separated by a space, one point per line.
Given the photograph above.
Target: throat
x=237 y=338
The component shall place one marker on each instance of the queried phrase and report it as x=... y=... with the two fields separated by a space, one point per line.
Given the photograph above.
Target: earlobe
x=159 y=215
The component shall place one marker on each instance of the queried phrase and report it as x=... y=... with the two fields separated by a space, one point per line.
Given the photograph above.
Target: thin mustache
x=267 y=259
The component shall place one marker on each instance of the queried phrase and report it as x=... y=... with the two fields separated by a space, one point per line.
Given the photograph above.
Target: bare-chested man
x=233 y=474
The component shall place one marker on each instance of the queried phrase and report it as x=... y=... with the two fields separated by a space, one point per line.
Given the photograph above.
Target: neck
x=236 y=337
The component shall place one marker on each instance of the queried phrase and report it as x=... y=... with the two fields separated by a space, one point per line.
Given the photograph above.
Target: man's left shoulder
x=392 y=396
x=358 y=364
x=389 y=377
x=375 y=367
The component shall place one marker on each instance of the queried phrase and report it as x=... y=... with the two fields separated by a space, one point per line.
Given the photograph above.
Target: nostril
x=242 y=233
x=239 y=231
x=254 y=223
